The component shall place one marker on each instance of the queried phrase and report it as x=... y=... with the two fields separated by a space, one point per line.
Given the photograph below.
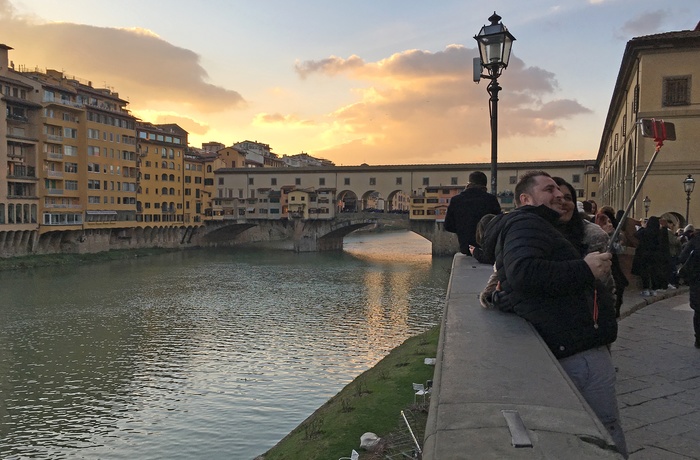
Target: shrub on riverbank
x=370 y=403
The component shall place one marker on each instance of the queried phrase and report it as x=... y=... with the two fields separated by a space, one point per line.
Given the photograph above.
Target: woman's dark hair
x=573 y=229
x=481 y=227
x=610 y=212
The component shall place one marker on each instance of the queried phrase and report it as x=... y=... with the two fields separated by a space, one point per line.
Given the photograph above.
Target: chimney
x=4 y=56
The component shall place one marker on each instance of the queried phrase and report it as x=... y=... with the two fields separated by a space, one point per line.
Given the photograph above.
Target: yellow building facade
x=659 y=78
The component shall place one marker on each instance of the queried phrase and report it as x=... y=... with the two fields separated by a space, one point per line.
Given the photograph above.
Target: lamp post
x=494 y=52
x=688 y=186
x=646 y=202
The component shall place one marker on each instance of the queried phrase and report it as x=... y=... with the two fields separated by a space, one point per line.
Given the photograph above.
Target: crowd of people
x=554 y=264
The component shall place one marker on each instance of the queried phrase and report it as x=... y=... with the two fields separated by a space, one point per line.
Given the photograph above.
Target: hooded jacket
x=544 y=280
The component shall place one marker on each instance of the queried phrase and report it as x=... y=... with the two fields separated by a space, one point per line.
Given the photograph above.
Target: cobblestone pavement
x=658 y=379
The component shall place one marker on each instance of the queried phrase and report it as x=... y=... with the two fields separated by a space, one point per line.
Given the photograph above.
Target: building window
x=426 y=181
x=616 y=141
x=676 y=91
x=576 y=178
x=594 y=179
x=635 y=102
x=513 y=180
x=592 y=194
x=251 y=181
x=372 y=181
x=346 y=181
x=297 y=181
x=221 y=181
x=453 y=181
x=321 y=181
x=273 y=181
x=398 y=180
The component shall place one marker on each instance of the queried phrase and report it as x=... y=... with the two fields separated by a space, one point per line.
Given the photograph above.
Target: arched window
x=208 y=168
x=165 y=165
x=172 y=191
x=164 y=177
x=164 y=191
x=172 y=165
x=172 y=177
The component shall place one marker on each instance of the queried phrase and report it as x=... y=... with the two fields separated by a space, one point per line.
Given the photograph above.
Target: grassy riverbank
x=49 y=260
x=370 y=403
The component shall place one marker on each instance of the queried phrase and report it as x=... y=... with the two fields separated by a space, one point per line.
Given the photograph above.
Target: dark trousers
x=695 y=305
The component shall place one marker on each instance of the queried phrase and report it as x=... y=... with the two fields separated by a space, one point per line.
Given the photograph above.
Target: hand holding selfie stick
x=660 y=131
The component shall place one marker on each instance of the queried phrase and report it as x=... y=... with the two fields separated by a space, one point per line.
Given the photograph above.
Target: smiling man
x=544 y=279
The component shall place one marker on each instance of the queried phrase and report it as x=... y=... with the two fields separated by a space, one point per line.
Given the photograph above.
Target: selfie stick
x=659 y=138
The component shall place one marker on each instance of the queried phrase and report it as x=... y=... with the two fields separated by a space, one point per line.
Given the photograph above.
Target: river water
x=200 y=354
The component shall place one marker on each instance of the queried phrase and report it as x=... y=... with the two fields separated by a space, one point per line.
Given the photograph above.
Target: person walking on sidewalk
x=694 y=284
x=544 y=279
x=652 y=257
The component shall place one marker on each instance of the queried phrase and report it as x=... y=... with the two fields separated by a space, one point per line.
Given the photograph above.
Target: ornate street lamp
x=688 y=186
x=646 y=202
x=494 y=53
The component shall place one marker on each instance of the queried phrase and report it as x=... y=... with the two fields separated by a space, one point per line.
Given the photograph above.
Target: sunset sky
x=377 y=82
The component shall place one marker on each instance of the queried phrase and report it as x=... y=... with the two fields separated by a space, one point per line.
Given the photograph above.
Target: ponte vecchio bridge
x=381 y=188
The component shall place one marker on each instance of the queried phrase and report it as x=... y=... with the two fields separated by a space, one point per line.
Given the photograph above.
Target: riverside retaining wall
x=489 y=362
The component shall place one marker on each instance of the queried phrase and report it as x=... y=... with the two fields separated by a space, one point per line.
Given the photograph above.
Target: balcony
x=55 y=155
x=54 y=191
x=20 y=118
x=64 y=102
x=55 y=137
x=54 y=173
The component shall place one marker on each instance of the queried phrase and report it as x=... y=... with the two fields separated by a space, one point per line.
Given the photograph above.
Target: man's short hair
x=526 y=182
x=478 y=179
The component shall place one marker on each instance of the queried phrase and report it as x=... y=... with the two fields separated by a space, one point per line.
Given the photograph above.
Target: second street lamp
x=494 y=53
x=688 y=186
x=646 y=202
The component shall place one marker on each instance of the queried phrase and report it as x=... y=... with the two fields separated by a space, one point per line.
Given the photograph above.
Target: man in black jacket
x=544 y=280
x=466 y=210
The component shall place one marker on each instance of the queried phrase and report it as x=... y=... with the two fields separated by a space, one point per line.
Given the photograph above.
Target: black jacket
x=464 y=213
x=545 y=280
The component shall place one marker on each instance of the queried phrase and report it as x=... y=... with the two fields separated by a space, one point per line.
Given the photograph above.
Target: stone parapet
x=491 y=365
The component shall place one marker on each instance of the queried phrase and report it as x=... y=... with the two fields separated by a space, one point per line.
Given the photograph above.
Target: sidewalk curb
x=642 y=302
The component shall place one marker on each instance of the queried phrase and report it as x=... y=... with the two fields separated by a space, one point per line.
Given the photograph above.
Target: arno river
x=200 y=354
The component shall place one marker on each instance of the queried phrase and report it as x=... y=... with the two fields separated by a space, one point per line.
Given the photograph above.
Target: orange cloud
x=143 y=67
x=419 y=106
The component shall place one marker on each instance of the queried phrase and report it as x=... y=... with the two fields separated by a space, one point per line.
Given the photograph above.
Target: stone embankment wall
x=24 y=243
x=497 y=385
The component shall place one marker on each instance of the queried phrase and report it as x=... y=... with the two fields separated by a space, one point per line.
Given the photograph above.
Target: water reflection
x=214 y=354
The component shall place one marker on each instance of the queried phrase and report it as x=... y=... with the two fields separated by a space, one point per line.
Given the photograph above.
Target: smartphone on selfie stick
x=660 y=131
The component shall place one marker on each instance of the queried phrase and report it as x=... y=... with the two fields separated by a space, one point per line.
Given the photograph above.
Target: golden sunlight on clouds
x=145 y=69
x=419 y=106
x=415 y=106
x=263 y=119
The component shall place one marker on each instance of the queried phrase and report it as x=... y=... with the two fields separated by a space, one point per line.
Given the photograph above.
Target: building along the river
x=659 y=78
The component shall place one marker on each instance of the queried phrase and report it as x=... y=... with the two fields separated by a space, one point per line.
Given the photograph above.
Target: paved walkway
x=658 y=379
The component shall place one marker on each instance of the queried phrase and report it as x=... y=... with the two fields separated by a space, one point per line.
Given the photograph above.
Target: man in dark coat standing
x=466 y=210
